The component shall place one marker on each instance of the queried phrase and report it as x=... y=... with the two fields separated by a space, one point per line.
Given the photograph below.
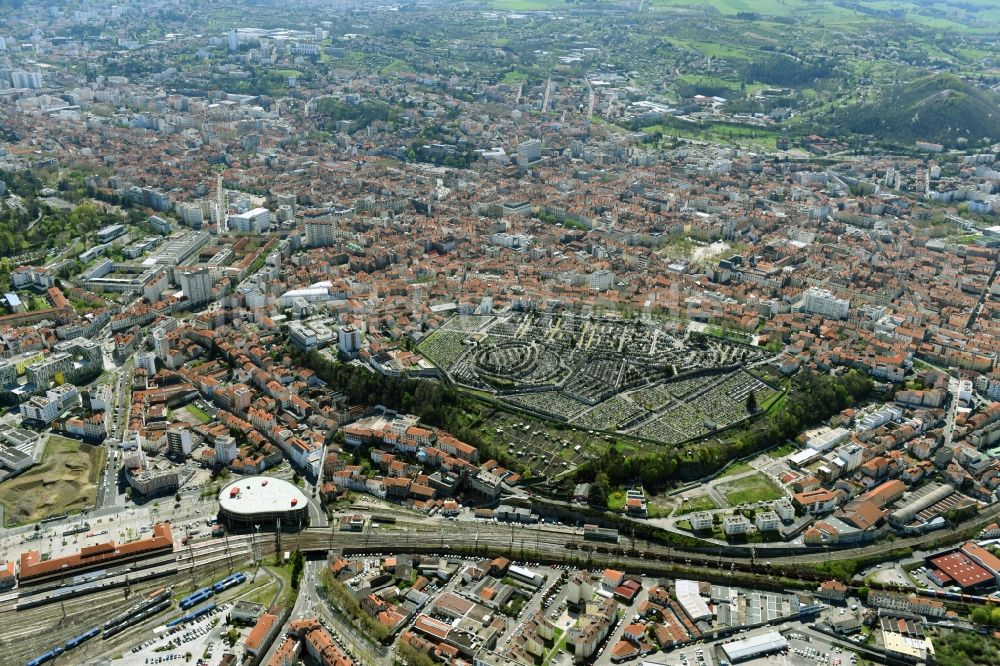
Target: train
x=962 y=597
x=48 y=656
x=152 y=599
x=229 y=581
x=137 y=618
x=79 y=529
x=598 y=533
x=193 y=615
x=204 y=593
x=73 y=642
x=196 y=597
x=155 y=602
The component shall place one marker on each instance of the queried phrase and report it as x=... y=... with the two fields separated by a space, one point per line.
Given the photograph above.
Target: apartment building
x=196 y=284
x=254 y=221
x=702 y=520
x=767 y=521
x=91 y=428
x=320 y=233
x=46 y=409
x=735 y=524
x=179 y=442
x=823 y=302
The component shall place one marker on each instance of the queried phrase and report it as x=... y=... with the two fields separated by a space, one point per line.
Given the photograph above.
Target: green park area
x=696 y=504
x=749 y=489
x=198 y=413
x=64 y=482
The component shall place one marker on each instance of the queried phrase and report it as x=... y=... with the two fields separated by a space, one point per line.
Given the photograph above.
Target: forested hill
x=940 y=108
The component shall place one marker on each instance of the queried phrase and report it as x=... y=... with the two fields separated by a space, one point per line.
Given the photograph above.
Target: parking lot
x=691 y=655
x=804 y=649
x=202 y=639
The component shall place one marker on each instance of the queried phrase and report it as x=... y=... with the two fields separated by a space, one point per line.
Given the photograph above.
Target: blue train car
x=47 y=656
x=73 y=642
x=229 y=581
x=196 y=598
x=193 y=615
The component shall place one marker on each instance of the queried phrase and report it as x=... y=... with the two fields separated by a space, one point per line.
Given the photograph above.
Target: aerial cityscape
x=500 y=332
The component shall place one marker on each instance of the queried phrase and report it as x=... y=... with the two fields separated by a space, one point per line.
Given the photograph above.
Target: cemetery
x=647 y=379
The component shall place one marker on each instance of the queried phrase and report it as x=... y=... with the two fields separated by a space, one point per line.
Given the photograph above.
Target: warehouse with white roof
x=754 y=646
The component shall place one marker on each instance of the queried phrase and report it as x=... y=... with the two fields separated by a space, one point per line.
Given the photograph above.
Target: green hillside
x=940 y=108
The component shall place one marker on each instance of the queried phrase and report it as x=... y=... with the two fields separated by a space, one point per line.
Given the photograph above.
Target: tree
x=752 y=402
x=598 y=498
x=298 y=563
x=59 y=379
x=981 y=615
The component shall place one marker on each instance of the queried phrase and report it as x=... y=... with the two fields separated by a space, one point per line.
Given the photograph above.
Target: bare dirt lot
x=64 y=482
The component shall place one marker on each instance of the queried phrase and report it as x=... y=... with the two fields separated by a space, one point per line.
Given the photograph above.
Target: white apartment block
x=823 y=302
x=46 y=409
x=735 y=524
x=196 y=285
x=767 y=521
x=701 y=520
x=784 y=508
x=601 y=280
x=30 y=276
x=320 y=233
x=254 y=221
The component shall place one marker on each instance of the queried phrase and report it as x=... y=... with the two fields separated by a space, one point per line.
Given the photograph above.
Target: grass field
x=198 y=413
x=64 y=482
x=750 y=489
x=696 y=504
x=738 y=468
x=528 y=5
x=514 y=76
x=985 y=12
x=782 y=451
x=727 y=133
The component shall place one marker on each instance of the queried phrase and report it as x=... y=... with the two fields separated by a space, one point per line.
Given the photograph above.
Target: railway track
x=58 y=622
x=446 y=532
x=26 y=633
x=548 y=545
